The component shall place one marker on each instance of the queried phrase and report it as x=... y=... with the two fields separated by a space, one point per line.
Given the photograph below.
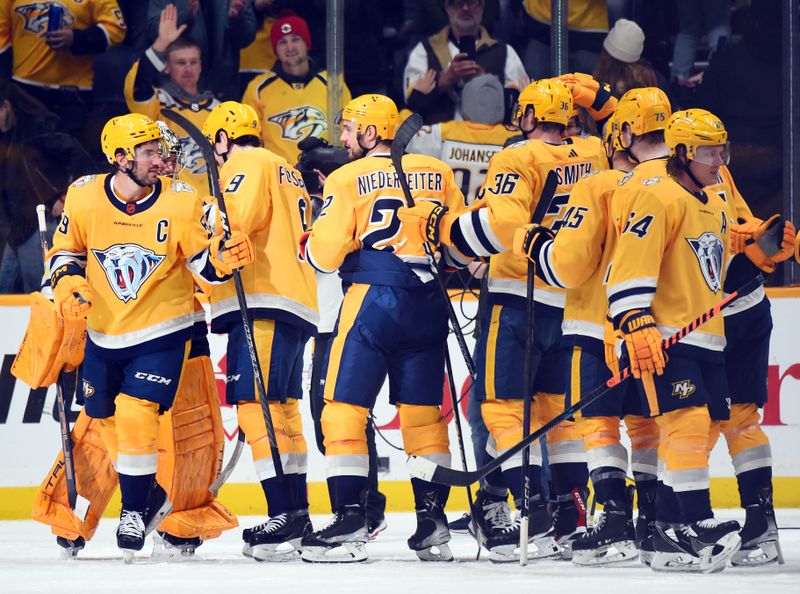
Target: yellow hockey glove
x=588 y=93
x=741 y=232
x=73 y=297
x=427 y=222
x=530 y=239
x=771 y=243
x=230 y=254
x=644 y=343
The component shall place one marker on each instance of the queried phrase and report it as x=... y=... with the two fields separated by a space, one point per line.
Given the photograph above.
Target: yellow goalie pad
x=191 y=443
x=95 y=479
x=50 y=344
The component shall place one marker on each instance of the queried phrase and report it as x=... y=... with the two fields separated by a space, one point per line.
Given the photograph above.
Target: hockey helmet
x=695 y=129
x=611 y=136
x=551 y=101
x=373 y=110
x=645 y=110
x=234 y=118
x=125 y=133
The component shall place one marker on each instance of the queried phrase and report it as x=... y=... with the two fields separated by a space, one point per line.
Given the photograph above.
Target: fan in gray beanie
x=482 y=100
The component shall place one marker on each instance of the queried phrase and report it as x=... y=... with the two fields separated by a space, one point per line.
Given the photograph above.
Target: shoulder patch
x=591 y=173
x=517 y=144
x=625 y=179
x=82 y=181
x=180 y=186
x=651 y=181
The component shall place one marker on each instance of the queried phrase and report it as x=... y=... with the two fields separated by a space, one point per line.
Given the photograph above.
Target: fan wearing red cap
x=292 y=98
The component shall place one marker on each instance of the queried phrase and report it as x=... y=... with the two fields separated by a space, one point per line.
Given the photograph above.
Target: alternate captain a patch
x=709 y=250
x=127 y=267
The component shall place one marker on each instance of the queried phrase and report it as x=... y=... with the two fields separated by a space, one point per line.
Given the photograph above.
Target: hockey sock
x=667 y=509
x=135 y=491
x=278 y=492
x=300 y=491
x=513 y=479
x=346 y=490
x=609 y=484
x=694 y=505
x=751 y=482
x=568 y=476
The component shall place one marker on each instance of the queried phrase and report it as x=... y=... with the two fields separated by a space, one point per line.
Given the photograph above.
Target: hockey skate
x=760 y=544
x=167 y=546
x=492 y=515
x=610 y=541
x=70 y=548
x=158 y=507
x=343 y=540
x=277 y=539
x=569 y=520
x=461 y=525
x=503 y=545
x=702 y=547
x=376 y=523
x=130 y=534
x=430 y=539
x=645 y=525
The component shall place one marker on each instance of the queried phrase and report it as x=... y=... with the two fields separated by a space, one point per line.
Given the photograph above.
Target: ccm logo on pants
x=152 y=378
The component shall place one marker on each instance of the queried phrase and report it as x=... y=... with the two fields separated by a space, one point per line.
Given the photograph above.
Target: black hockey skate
x=760 y=544
x=130 y=534
x=70 y=548
x=376 y=523
x=703 y=546
x=430 y=539
x=569 y=520
x=645 y=524
x=342 y=540
x=158 y=507
x=278 y=539
x=504 y=544
x=174 y=547
x=492 y=514
x=610 y=541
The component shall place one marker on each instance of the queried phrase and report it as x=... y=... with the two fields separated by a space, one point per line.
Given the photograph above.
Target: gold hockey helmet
x=234 y=118
x=551 y=101
x=373 y=110
x=125 y=133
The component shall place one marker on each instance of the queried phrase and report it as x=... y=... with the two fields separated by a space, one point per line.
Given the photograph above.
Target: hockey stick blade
x=226 y=472
x=443 y=475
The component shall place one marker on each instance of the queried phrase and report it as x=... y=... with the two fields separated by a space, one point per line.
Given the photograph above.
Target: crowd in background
x=64 y=73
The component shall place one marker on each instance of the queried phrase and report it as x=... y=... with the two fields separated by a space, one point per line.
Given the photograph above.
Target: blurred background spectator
x=710 y=16
x=621 y=64
x=259 y=57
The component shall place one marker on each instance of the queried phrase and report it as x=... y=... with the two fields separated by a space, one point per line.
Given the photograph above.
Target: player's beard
x=144 y=176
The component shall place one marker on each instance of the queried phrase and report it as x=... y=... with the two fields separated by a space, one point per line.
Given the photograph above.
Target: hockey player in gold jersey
x=669 y=265
x=578 y=259
x=124 y=253
x=267 y=200
x=514 y=186
x=393 y=322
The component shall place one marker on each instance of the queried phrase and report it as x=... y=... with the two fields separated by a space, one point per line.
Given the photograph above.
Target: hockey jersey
x=291 y=109
x=583 y=15
x=266 y=198
x=670 y=257
x=259 y=56
x=514 y=185
x=23 y=24
x=359 y=216
x=138 y=257
x=155 y=99
x=466 y=147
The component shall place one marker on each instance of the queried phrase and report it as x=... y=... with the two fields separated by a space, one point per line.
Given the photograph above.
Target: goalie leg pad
x=251 y=420
x=95 y=478
x=35 y=360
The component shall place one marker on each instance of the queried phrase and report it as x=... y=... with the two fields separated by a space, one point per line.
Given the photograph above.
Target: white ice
x=29 y=562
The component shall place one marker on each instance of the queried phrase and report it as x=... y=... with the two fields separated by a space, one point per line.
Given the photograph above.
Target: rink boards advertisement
x=29 y=432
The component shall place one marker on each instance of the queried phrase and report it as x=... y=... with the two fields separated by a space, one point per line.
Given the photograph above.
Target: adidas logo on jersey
x=127 y=267
x=683 y=389
x=709 y=249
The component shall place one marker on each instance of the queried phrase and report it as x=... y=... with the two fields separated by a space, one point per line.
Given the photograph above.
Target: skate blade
x=440 y=552
x=70 y=553
x=763 y=554
x=377 y=530
x=646 y=557
x=618 y=552
x=163 y=550
x=127 y=556
x=730 y=544
x=675 y=562
x=285 y=551
x=348 y=552
x=539 y=548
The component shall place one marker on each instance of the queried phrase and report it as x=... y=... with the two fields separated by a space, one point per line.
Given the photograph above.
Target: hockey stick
x=226 y=472
x=542 y=206
x=430 y=471
x=77 y=503
x=402 y=137
x=213 y=176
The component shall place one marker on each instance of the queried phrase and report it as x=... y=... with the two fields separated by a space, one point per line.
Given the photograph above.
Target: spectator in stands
x=37 y=163
x=710 y=16
x=452 y=57
x=587 y=23
x=168 y=76
x=292 y=98
x=621 y=64
x=221 y=28
x=55 y=66
x=258 y=57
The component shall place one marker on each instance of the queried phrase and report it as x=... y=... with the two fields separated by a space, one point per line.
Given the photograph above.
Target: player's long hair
x=624 y=76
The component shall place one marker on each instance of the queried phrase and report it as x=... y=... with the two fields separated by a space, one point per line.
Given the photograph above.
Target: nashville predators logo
x=683 y=389
x=127 y=267
x=87 y=388
x=300 y=122
x=709 y=250
x=35 y=15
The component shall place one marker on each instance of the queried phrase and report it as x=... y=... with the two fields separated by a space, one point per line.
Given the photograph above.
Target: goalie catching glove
x=595 y=97
x=72 y=296
x=643 y=341
x=230 y=254
x=529 y=240
x=765 y=243
x=427 y=222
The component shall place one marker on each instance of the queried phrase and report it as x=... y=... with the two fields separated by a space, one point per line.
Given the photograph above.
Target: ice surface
x=29 y=562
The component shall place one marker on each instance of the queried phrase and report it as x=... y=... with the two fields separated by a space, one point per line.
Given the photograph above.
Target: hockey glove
x=610 y=347
x=644 y=343
x=428 y=222
x=230 y=254
x=771 y=243
x=741 y=232
x=596 y=98
x=73 y=297
x=529 y=240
